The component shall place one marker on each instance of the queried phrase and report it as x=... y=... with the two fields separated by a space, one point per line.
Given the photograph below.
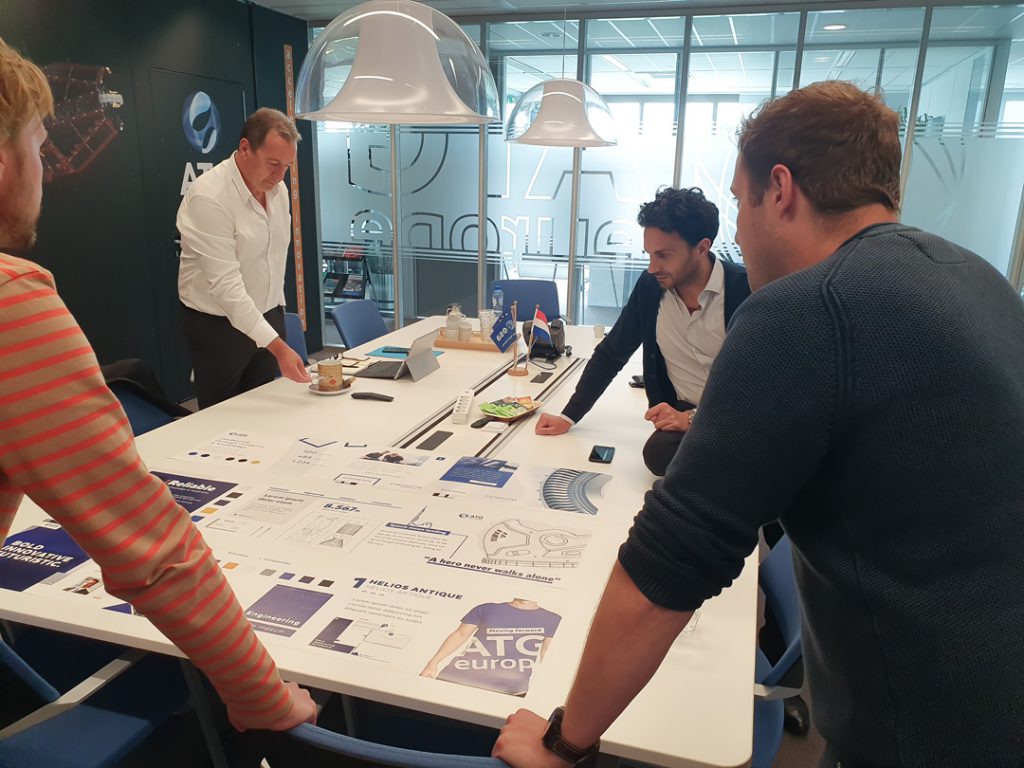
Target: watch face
x=554 y=730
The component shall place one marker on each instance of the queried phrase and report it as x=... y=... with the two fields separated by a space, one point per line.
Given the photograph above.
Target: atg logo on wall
x=200 y=121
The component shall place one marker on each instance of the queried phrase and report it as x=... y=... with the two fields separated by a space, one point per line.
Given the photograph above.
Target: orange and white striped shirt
x=68 y=446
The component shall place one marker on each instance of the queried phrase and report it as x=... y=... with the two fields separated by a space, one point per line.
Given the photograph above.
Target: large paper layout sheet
x=464 y=593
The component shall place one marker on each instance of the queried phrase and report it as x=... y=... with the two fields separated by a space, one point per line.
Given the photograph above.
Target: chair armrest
x=336 y=743
x=775 y=692
x=95 y=682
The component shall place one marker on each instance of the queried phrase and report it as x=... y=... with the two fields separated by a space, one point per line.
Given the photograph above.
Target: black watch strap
x=569 y=752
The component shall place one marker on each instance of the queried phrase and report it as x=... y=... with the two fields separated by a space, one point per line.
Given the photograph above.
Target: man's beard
x=17 y=233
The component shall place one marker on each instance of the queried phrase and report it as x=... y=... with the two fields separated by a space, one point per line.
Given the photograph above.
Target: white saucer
x=329 y=393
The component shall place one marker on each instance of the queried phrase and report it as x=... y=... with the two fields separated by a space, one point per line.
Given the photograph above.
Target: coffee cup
x=329 y=375
x=487 y=318
x=598 y=332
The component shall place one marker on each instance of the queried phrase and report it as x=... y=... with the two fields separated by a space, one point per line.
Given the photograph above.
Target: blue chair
x=95 y=723
x=530 y=293
x=295 y=336
x=358 y=322
x=143 y=413
x=779 y=585
x=307 y=745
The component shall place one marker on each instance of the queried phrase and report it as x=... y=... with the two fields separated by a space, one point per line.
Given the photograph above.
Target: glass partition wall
x=736 y=62
x=678 y=86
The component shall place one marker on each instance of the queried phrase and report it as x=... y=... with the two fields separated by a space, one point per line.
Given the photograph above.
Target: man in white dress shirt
x=678 y=310
x=235 y=226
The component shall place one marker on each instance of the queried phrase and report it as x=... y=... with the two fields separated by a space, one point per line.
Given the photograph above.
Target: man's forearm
x=627 y=642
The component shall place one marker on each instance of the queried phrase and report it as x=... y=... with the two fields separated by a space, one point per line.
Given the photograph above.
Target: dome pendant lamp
x=561 y=113
x=396 y=62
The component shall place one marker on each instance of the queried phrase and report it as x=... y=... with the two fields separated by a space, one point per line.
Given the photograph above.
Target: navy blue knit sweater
x=874 y=404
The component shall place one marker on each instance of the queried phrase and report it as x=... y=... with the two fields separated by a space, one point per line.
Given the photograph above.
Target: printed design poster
x=194 y=493
x=486 y=639
x=357 y=637
x=526 y=544
x=302 y=455
x=395 y=469
x=238 y=448
x=496 y=646
x=333 y=526
x=38 y=554
x=283 y=610
x=473 y=470
x=448 y=536
x=570 y=490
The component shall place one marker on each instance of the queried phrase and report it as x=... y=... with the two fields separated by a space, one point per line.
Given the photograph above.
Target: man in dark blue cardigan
x=678 y=310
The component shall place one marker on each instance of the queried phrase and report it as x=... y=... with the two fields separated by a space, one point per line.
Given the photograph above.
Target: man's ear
x=5 y=159
x=782 y=188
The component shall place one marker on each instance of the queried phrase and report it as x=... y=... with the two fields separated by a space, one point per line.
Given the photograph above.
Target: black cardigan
x=638 y=325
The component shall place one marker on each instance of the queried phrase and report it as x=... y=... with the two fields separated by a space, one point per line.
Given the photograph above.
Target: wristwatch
x=554 y=742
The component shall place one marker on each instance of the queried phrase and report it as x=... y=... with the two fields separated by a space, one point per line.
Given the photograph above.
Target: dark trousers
x=661 y=447
x=226 y=362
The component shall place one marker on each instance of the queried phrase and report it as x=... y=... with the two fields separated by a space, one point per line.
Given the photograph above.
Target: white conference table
x=396 y=579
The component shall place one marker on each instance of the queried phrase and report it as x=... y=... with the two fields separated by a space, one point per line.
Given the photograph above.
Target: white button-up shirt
x=233 y=251
x=691 y=342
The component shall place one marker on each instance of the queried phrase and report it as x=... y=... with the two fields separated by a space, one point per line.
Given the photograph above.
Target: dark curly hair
x=685 y=212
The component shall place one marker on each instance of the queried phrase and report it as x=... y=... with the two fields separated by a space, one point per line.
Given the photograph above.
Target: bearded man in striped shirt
x=67 y=445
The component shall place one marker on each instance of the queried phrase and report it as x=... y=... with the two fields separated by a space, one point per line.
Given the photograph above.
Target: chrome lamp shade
x=561 y=113
x=396 y=62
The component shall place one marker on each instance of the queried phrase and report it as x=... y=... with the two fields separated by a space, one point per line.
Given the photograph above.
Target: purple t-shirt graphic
x=504 y=649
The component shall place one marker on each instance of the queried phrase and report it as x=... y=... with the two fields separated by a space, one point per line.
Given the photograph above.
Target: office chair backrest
x=15 y=667
x=142 y=414
x=779 y=585
x=358 y=322
x=529 y=293
x=294 y=335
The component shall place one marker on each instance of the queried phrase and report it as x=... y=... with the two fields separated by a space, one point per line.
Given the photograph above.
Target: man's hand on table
x=520 y=743
x=549 y=424
x=303 y=711
x=292 y=366
x=668 y=419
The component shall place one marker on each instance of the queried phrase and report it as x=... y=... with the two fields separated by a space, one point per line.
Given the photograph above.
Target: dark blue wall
x=107 y=232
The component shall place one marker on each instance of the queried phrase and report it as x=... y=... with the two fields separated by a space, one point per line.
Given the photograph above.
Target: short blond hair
x=264 y=121
x=24 y=93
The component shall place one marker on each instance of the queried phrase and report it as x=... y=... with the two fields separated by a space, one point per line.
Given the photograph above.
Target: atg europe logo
x=200 y=121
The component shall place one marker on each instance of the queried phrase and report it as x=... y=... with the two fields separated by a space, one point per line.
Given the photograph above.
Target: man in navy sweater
x=678 y=310
x=870 y=396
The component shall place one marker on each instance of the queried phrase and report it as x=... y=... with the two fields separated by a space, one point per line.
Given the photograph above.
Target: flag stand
x=515 y=370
